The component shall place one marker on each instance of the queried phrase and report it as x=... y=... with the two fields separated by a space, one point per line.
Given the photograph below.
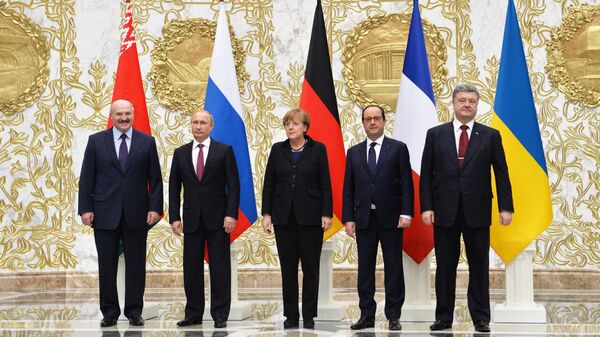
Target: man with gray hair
x=456 y=196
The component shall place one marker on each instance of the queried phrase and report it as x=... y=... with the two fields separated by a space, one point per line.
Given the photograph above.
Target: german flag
x=319 y=101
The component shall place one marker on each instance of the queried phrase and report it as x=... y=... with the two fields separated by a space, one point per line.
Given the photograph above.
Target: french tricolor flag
x=415 y=114
x=223 y=101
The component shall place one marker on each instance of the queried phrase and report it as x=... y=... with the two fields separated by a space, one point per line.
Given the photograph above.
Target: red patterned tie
x=200 y=162
x=463 y=143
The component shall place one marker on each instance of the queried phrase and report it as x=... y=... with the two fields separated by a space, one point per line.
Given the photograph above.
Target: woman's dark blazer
x=304 y=183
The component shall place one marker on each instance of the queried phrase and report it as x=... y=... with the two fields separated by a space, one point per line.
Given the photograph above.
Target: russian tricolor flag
x=415 y=114
x=223 y=101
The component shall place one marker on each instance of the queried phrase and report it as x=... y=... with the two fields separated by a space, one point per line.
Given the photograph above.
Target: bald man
x=207 y=170
x=120 y=197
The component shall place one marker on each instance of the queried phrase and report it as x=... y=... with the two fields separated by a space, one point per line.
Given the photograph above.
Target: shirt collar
x=206 y=143
x=379 y=141
x=117 y=134
x=457 y=124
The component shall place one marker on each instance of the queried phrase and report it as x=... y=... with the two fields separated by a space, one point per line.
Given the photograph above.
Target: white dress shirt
x=117 y=138
x=195 y=150
x=457 y=131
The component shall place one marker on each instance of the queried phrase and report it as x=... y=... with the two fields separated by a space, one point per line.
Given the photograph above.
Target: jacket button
x=293 y=185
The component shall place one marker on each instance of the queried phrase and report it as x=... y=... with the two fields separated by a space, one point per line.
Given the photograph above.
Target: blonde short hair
x=304 y=117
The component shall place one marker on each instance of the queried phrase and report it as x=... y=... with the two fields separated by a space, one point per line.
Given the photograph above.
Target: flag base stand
x=520 y=306
x=239 y=310
x=150 y=310
x=328 y=309
x=418 y=306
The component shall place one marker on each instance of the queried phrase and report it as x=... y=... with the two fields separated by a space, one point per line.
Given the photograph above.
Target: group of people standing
x=121 y=195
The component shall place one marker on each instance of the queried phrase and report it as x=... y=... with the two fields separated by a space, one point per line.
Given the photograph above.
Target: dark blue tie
x=123 y=153
x=372 y=158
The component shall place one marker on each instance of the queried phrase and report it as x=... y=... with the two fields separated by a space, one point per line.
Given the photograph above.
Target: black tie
x=123 y=153
x=372 y=158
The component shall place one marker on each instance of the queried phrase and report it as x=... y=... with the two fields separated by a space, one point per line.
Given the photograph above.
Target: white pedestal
x=418 y=306
x=240 y=310
x=328 y=309
x=519 y=306
x=150 y=308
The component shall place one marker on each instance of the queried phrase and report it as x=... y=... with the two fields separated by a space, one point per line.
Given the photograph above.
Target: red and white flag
x=128 y=82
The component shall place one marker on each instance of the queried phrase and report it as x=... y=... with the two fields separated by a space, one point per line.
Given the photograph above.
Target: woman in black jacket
x=297 y=199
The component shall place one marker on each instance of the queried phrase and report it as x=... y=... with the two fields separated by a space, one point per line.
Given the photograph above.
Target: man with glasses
x=377 y=206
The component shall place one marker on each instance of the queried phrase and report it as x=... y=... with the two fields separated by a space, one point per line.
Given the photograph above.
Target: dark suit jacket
x=390 y=189
x=209 y=200
x=305 y=183
x=106 y=190
x=443 y=182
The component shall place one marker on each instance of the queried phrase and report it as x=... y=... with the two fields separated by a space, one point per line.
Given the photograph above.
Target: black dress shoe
x=220 y=324
x=136 y=320
x=290 y=323
x=108 y=322
x=363 y=323
x=395 y=325
x=190 y=321
x=440 y=325
x=309 y=323
x=482 y=326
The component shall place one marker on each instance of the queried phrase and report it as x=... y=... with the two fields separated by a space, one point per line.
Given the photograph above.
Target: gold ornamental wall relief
x=573 y=54
x=181 y=62
x=24 y=54
x=373 y=57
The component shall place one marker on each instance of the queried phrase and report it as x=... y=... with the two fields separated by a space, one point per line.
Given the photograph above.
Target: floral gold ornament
x=573 y=54
x=181 y=62
x=24 y=54
x=373 y=57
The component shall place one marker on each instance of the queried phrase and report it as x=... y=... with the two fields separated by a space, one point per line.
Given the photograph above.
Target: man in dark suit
x=207 y=170
x=456 y=196
x=377 y=206
x=120 y=196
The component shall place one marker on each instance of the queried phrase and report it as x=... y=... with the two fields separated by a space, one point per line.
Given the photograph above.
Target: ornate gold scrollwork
x=573 y=53
x=24 y=54
x=373 y=57
x=181 y=62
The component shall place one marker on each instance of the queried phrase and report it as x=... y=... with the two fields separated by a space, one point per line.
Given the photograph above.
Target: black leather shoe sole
x=439 y=325
x=190 y=321
x=108 y=322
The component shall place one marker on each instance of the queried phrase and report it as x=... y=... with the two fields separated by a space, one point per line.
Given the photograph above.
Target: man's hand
x=505 y=218
x=266 y=223
x=152 y=217
x=177 y=227
x=428 y=217
x=404 y=222
x=325 y=222
x=87 y=218
x=351 y=229
x=228 y=224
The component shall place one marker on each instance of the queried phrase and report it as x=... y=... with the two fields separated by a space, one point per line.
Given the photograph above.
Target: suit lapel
x=450 y=144
x=362 y=149
x=474 y=142
x=212 y=152
x=189 y=160
x=133 y=148
x=383 y=155
x=286 y=149
x=110 y=147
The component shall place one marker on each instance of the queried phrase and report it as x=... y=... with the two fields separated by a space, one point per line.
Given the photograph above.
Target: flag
x=415 y=114
x=515 y=117
x=319 y=101
x=223 y=101
x=128 y=82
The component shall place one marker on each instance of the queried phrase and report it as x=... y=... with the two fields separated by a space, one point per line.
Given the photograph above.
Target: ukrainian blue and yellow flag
x=516 y=118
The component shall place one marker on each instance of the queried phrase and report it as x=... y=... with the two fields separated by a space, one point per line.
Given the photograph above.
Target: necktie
x=200 y=162
x=123 y=153
x=463 y=143
x=372 y=158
